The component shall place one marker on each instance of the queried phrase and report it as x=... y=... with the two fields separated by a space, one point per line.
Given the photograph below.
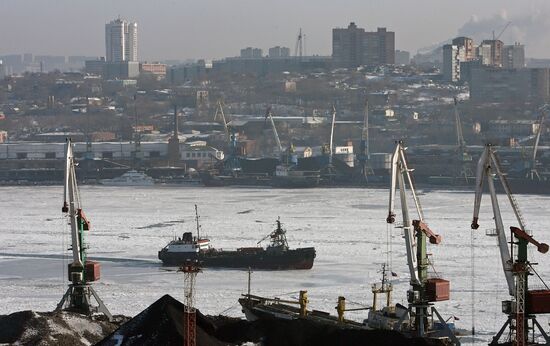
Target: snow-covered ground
x=346 y=226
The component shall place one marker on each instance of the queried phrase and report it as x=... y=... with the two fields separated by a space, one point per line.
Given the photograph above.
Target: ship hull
x=302 y=258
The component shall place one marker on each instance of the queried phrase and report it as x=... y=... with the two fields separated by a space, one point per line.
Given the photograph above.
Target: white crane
x=81 y=271
x=516 y=268
x=268 y=114
x=221 y=114
x=331 y=148
x=416 y=232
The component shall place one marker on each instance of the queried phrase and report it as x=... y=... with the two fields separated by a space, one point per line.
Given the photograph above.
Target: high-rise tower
x=121 y=41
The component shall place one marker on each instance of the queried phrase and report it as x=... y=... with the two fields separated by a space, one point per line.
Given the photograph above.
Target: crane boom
x=459 y=136
x=71 y=205
x=489 y=166
x=537 y=138
x=220 y=112
x=275 y=134
x=331 y=149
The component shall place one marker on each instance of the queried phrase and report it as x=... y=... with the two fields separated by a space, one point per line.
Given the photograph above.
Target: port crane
x=525 y=303
x=533 y=173
x=221 y=115
x=269 y=115
x=463 y=157
x=364 y=157
x=416 y=233
x=331 y=147
x=81 y=272
x=232 y=163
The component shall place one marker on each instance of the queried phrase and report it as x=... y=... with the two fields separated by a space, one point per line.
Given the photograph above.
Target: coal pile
x=55 y=328
x=162 y=324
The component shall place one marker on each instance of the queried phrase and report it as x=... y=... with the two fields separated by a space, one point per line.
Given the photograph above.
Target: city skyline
x=215 y=29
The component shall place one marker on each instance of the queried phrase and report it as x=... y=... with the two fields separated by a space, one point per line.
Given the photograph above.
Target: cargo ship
x=388 y=323
x=276 y=256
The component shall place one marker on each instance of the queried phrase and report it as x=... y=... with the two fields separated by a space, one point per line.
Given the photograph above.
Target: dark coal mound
x=162 y=324
x=54 y=328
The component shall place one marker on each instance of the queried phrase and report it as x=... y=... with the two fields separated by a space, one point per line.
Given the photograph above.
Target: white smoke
x=531 y=29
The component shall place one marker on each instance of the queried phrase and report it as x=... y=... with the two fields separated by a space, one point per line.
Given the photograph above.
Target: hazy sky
x=179 y=29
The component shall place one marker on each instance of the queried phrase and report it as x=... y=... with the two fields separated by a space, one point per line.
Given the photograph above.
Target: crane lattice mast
x=190 y=271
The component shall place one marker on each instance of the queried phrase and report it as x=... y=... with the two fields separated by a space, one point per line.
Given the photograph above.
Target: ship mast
x=198 y=224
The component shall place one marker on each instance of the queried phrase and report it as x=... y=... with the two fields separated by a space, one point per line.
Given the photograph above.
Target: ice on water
x=346 y=226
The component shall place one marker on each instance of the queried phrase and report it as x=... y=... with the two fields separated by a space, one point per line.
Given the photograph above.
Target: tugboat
x=276 y=256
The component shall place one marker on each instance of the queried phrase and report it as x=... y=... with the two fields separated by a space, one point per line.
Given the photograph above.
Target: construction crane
x=501 y=31
x=78 y=296
x=300 y=43
x=524 y=303
x=416 y=233
x=533 y=173
x=269 y=115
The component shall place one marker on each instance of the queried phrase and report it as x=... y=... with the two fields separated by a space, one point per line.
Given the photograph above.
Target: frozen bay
x=346 y=226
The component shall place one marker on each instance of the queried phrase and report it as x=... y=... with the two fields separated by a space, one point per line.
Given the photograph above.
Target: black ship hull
x=321 y=328
x=301 y=258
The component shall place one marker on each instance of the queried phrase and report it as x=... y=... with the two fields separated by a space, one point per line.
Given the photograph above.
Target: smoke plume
x=530 y=29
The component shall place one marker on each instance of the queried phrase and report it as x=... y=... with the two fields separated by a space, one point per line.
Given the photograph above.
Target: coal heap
x=54 y=328
x=162 y=324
